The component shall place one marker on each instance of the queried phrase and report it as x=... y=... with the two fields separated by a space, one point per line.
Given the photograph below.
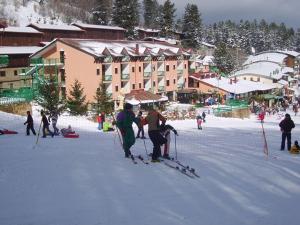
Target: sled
x=71 y=135
x=5 y=131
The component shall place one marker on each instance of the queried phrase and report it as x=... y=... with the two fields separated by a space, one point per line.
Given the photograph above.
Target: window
x=2 y=73
x=11 y=86
x=153 y=83
x=184 y=66
x=153 y=68
x=174 y=81
x=16 y=72
x=167 y=68
x=98 y=71
x=245 y=78
x=116 y=70
x=116 y=88
x=23 y=71
x=133 y=69
x=103 y=70
x=174 y=67
x=251 y=78
x=140 y=69
x=140 y=85
x=258 y=79
x=133 y=86
x=198 y=84
x=168 y=83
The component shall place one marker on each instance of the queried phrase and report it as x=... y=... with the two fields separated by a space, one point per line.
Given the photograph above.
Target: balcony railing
x=160 y=73
x=125 y=76
x=147 y=74
x=161 y=88
x=179 y=71
x=107 y=78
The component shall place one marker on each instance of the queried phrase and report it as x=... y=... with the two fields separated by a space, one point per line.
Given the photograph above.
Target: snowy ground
x=87 y=181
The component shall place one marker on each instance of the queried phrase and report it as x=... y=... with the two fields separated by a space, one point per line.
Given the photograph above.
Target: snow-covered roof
x=94 y=26
x=55 y=27
x=208 y=45
x=275 y=57
x=206 y=60
x=21 y=30
x=14 y=50
x=167 y=40
x=148 y=30
x=100 y=48
x=267 y=69
x=240 y=87
x=291 y=53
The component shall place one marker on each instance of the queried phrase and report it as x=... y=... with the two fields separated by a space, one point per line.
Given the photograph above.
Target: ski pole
x=146 y=148
x=175 y=148
x=266 y=150
x=37 y=138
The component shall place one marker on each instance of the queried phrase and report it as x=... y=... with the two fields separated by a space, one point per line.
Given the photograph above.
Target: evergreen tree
x=296 y=44
x=223 y=59
x=192 y=26
x=76 y=101
x=103 y=100
x=151 y=13
x=48 y=96
x=101 y=12
x=126 y=15
x=167 y=18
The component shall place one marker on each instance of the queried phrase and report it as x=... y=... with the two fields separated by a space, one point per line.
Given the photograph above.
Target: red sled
x=71 y=135
x=9 y=131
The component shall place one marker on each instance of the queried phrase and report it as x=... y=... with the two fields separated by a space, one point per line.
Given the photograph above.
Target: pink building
x=122 y=65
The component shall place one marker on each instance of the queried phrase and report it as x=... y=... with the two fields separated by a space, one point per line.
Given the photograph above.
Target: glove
x=175 y=132
x=25 y=123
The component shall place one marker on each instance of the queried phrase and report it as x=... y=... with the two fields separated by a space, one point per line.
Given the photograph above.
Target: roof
x=147 y=30
x=100 y=27
x=55 y=27
x=267 y=69
x=21 y=30
x=274 y=57
x=240 y=87
x=167 y=40
x=18 y=50
x=119 y=48
x=136 y=97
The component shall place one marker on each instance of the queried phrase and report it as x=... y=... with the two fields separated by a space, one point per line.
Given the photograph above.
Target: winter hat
x=288 y=116
x=127 y=106
x=296 y=142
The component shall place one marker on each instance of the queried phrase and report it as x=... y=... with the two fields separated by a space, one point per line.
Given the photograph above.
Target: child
x=139 y=119
x=165 y=131
x=66 y=131
x=199 y=122
x=295 y=148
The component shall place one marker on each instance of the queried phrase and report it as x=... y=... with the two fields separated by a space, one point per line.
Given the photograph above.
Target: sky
x=271 y=10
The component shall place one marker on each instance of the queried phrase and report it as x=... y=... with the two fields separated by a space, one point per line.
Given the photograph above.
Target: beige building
x=122 y=65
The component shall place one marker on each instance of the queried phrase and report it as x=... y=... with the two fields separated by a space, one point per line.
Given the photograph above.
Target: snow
x=21 y=30
x=242 y=86
x=275 y=57
x=8 y=50
x=84 y=25
x=55 y=27
x=88 y=180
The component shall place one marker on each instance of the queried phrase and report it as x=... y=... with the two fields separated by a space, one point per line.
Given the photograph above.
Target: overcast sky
x=278 y=11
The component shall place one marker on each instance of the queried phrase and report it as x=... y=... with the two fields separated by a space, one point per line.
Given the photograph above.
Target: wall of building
x=10 y=78
x=19 y=39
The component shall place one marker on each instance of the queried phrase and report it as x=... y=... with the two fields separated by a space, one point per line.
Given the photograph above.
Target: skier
x=45 y=125
x=140 y=125
x=295 y=148
x=124 y=122
x=156 y=137
x=286 y=126
x=29 y=123
x=199 y=122
x=99 y=120
x=166 y=132
x=54 y=117
x=203 y=116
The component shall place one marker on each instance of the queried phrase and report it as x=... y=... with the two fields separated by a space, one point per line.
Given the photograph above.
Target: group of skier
x=158 y=131
x=45 y=122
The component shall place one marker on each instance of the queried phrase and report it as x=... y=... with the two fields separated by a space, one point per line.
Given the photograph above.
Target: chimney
x=137 y=49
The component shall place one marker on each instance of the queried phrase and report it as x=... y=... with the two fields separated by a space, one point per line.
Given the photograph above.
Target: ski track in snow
x=87 y=181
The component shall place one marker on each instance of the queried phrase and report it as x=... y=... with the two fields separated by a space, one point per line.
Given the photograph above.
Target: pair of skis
x=184 y=169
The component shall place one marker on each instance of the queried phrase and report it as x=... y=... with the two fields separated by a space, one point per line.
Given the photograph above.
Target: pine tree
x=192 y=26
x=126 y=15
x=101 y=12
x=76 y=101
x=103 y=100
x=167 y=18
x=48 y=96
x=151 y=13
x=296 y=44
x=223 y=59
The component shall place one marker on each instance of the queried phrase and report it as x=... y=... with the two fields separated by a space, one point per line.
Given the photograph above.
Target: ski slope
x=87 y=181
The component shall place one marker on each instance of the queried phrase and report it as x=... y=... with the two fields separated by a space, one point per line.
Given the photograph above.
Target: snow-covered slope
x=88 y=181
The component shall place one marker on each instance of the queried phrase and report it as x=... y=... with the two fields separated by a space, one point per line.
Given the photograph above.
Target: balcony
x=179 y=71
x=180 y=85
x=125 y=76
x=107 y=78
x=147 y=74
x=160 y=73
x=192 y=71
x=161 y=88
